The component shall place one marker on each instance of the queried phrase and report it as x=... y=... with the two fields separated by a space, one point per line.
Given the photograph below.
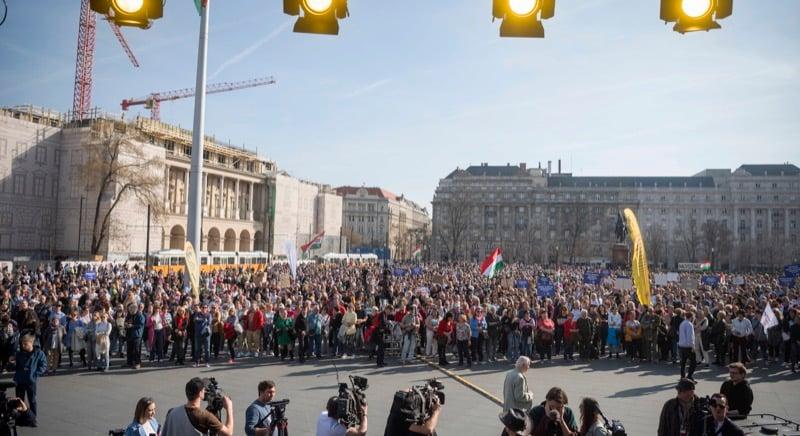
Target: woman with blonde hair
x=102 y=334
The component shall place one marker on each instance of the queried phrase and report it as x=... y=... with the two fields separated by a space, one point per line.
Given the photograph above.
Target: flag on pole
x=768 y=318
x=199 y=7
x=314 y=243
x=705 y=266
x=417 y=252
x=639 y=269
x=493 y=263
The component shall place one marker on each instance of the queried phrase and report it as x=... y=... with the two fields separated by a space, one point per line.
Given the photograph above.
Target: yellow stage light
x=696 y=8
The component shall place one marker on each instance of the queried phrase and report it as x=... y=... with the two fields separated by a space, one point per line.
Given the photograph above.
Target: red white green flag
x=417 y=252
x=705 y=266
x=493 y=263
x=315 y=243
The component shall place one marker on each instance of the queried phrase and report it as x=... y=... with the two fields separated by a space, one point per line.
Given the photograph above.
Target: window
x=19 y=184
x=221 y=159
x=6 y=219
x=3 y=147
x=54 y=188
x=38 y=186
x=47 y=221
x=41 y=154
x=20 y=151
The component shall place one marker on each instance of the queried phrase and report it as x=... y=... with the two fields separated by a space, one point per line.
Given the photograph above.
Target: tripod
x=279 y=426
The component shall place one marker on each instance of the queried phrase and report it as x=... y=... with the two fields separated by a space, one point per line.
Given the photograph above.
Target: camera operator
x=398 y=425
x=192 y=418
x=738 y=391
x=23 y=416
x=552 y=417
x=328 y=423
x=718 y=423
x=257 y=417
x=680 y=416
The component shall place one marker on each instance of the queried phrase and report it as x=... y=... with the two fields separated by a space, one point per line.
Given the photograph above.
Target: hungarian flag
x=417 y=252
x=493 y=263
x=314 y=243
x=705 y=266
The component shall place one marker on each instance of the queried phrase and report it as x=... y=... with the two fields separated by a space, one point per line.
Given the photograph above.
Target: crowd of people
x=85 y=315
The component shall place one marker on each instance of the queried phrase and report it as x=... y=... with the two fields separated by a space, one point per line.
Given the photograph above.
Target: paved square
x=91 y=403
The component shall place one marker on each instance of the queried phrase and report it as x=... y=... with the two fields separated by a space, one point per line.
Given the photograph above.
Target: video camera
x=351 y=401
x=417 y=403
x=214 y=396
x=277 y=414
x=8 y=410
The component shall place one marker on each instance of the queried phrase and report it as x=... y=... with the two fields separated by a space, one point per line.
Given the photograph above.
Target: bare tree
x=116 y=168
x=717 y=241
x=455 y=213
x=656 y=240
x=576 y=223
x=690 y=238
x=352 y=236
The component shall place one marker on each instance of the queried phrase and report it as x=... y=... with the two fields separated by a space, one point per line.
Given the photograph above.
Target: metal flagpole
x=195 y=211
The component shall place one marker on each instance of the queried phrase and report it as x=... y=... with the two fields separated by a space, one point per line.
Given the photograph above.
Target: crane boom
x=123 y=42
x=153 y=101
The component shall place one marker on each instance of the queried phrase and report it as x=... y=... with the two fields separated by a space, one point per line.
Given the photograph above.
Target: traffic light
x=319 y=16
x=136 y=13
x=695 y=15
x=521 y=18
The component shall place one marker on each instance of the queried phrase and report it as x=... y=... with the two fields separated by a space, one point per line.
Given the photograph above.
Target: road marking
x=482 y=392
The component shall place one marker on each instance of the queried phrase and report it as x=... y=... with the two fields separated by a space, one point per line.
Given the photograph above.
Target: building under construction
x=50 y=207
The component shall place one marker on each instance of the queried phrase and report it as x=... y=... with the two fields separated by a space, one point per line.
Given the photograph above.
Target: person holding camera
x=23 y=416
x=257 y=418
x=144 y=419
x=328 y=423
x=552 y=417
x=398 y=423
x=513 y=422
x=680 y=416
x=718 y=423
x=191 y=418
x=592 y=421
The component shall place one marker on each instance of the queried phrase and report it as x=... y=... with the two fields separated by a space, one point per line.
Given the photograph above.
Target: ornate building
x=746 y=218
x=376 y=218
x=47 y=208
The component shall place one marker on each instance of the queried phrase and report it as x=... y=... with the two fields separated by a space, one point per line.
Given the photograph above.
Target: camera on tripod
x=279 y=425
x=351 y=401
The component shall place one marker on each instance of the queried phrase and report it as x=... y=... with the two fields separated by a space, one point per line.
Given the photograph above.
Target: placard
x=792 y=270
x=673 y=277
x=591 y=278
x=712 y=281
x=284 y=281
x=689 y=283
x=623 y=283
x=522 y=284
x=660 y=279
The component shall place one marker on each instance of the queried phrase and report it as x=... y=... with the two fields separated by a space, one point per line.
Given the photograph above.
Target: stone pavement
x=91 y=403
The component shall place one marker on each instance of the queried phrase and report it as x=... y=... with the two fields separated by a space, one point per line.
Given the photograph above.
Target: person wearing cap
x=193 y=418
x=737 y=390
x=514 y=422
x=718 y=423
x=679 y=416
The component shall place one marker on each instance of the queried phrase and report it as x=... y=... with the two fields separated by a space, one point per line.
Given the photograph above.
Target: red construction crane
x=84 y=61
x=153 y=101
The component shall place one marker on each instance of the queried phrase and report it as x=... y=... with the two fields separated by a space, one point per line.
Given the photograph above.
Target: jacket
x=669 y=423
x=136 y=429
x=515 y=391
x=728 y=428
x=29 y=366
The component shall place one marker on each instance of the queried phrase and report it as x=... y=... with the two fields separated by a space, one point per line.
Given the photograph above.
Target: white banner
x=291 y=256
x=660 y=279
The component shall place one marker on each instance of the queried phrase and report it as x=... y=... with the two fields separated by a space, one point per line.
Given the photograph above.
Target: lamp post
x=194 y=216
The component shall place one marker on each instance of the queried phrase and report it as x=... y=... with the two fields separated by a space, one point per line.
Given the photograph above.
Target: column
x=786 y=222
x=166 y=188
x=735 y=225
x=185 y=199
x=769 y=223
x=250 y=202
x=206 y=204
x=235 y=204
x=221 y=202
x=752 y=223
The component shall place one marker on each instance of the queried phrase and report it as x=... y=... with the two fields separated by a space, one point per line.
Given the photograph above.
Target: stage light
x=695 y=15
x=135 y=13
x=319 y=16
x=522 y=18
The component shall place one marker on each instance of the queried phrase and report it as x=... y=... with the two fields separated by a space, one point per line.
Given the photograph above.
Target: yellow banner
x=192 y=269
x=639 y=269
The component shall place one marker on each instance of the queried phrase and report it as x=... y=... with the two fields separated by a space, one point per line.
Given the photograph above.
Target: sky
x=408 y=91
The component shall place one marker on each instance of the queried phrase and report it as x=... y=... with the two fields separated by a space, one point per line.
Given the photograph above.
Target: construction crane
x=84 y=60
x=153 y=101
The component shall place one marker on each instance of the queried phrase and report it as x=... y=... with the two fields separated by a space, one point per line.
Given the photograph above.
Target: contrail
x=253 y=47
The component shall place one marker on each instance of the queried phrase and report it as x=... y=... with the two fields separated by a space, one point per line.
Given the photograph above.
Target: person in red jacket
x=443 y=333
x=255 y=324
x=570 y=336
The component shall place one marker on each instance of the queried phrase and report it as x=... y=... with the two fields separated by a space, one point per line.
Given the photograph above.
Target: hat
x=514 y=419
x=685 y=384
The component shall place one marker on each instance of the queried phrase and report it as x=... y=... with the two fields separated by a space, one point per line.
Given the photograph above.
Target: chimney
x=559 y=166
x=523 y=166
x=540 y=164
x=549 y=166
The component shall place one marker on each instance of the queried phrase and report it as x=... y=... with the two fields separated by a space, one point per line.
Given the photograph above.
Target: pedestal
x=620 y=255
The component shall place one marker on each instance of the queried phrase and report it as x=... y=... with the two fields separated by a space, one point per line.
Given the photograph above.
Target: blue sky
x=410 y=90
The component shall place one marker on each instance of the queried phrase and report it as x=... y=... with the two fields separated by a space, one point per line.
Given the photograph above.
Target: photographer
x=328 y=423
x=398 y=423
x=552 y=417
x=718 y=423
x=680 y=416
x=23 y=416
x=192 y=418
x=592 y=421
x=257 y=417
